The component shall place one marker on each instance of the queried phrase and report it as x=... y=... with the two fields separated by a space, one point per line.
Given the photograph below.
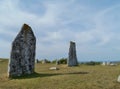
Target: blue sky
x=93 y=24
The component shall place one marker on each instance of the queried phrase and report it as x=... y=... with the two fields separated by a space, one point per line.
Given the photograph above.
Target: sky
x=93 y=24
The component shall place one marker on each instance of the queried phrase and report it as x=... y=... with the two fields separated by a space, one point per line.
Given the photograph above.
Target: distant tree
x=62 y=61
x=44 y=61
x=54 y=61
x=40 y=61
x=47 y=61
x=36 y=60
x=93 y=63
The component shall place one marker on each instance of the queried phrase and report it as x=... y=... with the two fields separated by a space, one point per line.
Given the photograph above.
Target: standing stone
x=22 y=57
x=44 y=61
x=72 y=59
x=36 y=61
x=57 y=62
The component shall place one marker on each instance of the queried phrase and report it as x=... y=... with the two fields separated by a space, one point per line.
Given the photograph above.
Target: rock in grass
x=22 y=57
x=118 y=80
x=72 y=59
x=54 y=68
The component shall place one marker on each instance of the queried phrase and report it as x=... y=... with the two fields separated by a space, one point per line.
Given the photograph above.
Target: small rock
x=113 y=64
x=54 y=68
x=118 y=80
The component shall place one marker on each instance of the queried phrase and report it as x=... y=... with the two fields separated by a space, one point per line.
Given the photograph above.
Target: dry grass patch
x=81 y=77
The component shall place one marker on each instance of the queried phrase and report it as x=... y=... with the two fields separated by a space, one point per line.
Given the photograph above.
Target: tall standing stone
x=22 y=57
x=72 y=59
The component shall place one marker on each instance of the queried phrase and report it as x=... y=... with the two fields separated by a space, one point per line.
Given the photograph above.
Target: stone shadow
x=36 y=75
x=78 y=73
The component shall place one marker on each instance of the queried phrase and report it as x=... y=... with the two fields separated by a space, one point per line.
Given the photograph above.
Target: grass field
x=81 y=77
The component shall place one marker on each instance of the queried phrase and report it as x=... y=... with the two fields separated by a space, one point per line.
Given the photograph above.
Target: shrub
x=54 y=61
x=63 y=61
x=93 y=63
x=60 y=61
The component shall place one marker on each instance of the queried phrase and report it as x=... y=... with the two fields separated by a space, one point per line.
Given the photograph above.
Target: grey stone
x=118 y=80
x=113 y=64
x=72 y=59
x=22 y=59
x=109 y=64
x=54 y=68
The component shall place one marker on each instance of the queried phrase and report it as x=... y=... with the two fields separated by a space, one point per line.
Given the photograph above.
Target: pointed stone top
x=71 y=42
x=26 y=27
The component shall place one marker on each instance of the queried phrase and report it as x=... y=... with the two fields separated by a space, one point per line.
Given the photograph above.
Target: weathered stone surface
x=72 y=59
x=22 y=57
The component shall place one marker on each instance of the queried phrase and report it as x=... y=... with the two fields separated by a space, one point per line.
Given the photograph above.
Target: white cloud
x=60 y=23
x=106 y=27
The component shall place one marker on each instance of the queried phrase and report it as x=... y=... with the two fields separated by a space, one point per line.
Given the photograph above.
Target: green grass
x=81 y=77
